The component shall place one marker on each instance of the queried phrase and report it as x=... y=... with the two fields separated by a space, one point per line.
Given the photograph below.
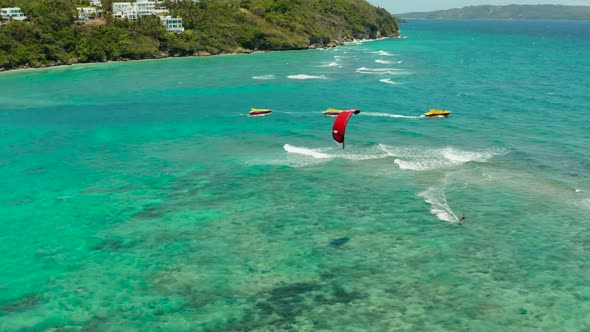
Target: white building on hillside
x=133 y=10
x=96 y=3
x=172 y=24
x=141 y=8
x=86 y=13
x=13 y=13
x=148 y=7
x=124 y=10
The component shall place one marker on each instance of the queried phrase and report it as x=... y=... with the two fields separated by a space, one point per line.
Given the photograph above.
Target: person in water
x=462 y=219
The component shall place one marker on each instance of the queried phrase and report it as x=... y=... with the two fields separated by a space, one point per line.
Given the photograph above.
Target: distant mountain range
x=516 y=12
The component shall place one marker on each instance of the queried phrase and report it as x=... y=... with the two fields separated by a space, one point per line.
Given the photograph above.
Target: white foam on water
x=585 y=203
x=331 y=64
x=361 y=41
x=264 y=77
x=385 y=62
x=425 y=159
x=377 y=70
x=306 y=77
x=354 y=42
x=315 y=153
x=302 y=156
x=439 y=205
x=577 y=190
x=384 y=53
x=389 y=81
x=381 y=71
x=329 y=153
x=389 y=115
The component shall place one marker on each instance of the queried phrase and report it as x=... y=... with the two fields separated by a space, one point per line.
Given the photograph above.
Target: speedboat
x=331 y=112
x=437 y=113
x=259 y=112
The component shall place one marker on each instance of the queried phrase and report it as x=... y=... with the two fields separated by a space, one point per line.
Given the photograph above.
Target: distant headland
x=509 y=12
x=42 y=33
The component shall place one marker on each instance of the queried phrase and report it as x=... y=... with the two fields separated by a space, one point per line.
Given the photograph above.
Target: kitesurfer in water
x=462 y=219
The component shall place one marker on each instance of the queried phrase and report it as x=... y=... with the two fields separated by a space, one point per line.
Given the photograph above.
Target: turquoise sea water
x=140 y=195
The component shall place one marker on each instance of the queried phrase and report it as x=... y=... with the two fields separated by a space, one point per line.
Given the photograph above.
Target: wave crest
x=381 y=71
x=385 y=62
x=307 y=77
x=425 y=159
x=264 y=77
x=389 y=81
x=302 y=156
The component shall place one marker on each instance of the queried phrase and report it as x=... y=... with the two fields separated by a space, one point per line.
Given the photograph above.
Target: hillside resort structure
x=13 y=13
x=121 y=10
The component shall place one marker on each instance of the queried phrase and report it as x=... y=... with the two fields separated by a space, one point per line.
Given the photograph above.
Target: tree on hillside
x=107 y=6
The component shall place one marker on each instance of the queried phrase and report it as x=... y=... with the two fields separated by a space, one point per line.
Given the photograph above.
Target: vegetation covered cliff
x=516 y=12
x=52 y=36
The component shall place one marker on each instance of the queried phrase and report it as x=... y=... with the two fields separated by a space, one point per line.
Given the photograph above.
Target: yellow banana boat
x=331 y=112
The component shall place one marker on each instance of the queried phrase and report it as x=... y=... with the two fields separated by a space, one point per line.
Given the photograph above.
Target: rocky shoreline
x=74 y=61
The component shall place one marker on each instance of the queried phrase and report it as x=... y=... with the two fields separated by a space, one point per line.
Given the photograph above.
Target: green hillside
x=51 y=35
x=524 y=12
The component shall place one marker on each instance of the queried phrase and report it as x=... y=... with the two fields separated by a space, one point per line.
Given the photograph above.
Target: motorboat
x=432 y=113
x=259 y=111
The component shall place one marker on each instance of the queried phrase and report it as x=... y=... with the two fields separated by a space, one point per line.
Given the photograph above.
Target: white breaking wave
x=377 y=70
x=380 y=71
x=354 y=42
x=384 y=53
x=424 y=159
x=389 y=115
x=332 y=64
x=315 y=153
x=389 y=81
x=302 y=156
x=439 y=205
x=306 y=77
x=336 y=152
x=264 y=77
x=585 y=203
x=385 y=62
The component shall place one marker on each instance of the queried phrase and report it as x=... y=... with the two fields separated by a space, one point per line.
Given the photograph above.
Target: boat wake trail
x=439 y=205
x=389 y=115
